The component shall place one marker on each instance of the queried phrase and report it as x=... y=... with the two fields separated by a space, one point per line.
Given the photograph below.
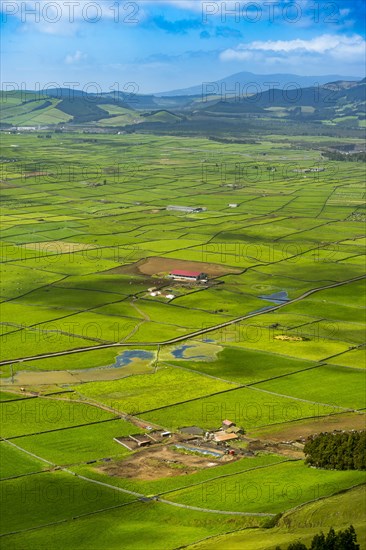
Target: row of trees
x=343 y=540
x=337 y=451
x=352 y=157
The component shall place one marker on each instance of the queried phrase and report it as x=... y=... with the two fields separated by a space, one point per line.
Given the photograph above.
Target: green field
x=247 y=407
x=16 y=463
x=87 y=245
x=134 y=524
x=273 y=489
x=30 y=416
x=47 y=498
x=74 y=445
x=301 y=524
x=151 y=391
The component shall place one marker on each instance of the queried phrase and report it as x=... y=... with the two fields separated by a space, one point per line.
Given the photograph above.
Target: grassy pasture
x=74 y=445
x=14 y=462
x=117 y=284
x=32 y=342
x=328 y=384
x=29 y=416
x=220 y=300
x=83 y=360
x=8 y=396
x=273 y=489
x=51 y=497
x=257 y=334
x=300 y=524
x=246 y=407
x=92 y=327
x=246 y=366
x=79 y=213
x=17 y=281
x=352 y=358
x=149 y=391
x=137 y=525
x=69 y=299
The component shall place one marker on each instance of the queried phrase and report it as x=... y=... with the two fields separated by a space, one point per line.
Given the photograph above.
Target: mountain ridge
x=245 y=78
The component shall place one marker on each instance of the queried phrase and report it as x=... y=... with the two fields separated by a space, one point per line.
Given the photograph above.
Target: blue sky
x=170 y=44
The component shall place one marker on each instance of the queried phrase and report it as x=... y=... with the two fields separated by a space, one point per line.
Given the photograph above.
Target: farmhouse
x=230 y=427
x=234 y=430
x=223 y=437
x=182 y=275
x=227 y=424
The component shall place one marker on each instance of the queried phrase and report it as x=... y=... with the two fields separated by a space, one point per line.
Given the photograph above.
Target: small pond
x=276 y=298
x=179 y=353
x=126 y=357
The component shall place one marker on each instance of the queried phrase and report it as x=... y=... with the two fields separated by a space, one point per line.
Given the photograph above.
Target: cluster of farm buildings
x=179 y=275
x=216 y=441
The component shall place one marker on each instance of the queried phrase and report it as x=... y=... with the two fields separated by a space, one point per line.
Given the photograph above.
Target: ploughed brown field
x=157 y=265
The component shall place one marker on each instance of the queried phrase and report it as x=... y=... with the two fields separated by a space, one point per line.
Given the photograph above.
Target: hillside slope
x=338 y=511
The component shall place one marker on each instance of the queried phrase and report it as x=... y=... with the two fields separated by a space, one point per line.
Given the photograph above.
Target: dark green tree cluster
x=343 y=540
x=353 y=157
x=337 y=451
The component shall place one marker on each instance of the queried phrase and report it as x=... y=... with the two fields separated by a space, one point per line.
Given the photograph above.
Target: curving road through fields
x=186 y=336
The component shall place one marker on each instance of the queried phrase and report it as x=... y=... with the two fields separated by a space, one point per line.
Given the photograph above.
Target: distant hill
x=246 y=78
x=326 y=96
x=337 y=103
x=341 y=98
x=63 y=105
x=162 y=116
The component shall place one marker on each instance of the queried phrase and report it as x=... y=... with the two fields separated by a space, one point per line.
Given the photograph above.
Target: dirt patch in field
x=275 y=448
x=40 y=378
x=158 y=266
x=158 y=462
x=39 y=174
x=298 y=430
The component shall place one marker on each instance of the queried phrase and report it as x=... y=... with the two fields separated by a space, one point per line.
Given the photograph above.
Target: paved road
x=186 y=336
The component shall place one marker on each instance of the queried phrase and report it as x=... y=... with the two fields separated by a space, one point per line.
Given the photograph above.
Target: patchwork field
x=99 y=343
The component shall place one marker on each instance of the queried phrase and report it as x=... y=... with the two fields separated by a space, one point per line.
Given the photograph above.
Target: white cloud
x=65 y=16
x=77 y=57
x=335 y=46
x=210 y=5
x=52 y=10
